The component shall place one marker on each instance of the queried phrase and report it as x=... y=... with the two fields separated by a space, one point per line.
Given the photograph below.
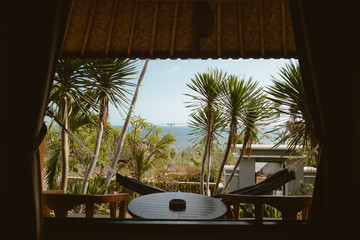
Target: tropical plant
x=67 y=91
x=206 y=87
x=110 y=83
x=199 y=129
x=255 y=113
x=147 y=156
x=235 y=94
x=289 y=95
x=53 y=163
x=148 y=148
x=122 y=138
x=53 y=158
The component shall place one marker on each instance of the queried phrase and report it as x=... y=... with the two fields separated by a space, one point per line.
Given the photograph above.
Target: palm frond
x=52 y=165
x=206 y=86
x=199 y=124
x=289 y=95
x=111 y=78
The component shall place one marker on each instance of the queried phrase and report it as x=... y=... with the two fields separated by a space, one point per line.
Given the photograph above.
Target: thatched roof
x=179 y=29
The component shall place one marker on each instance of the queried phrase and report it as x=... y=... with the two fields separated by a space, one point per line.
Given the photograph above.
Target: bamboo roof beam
x=154 y=29
x=219 y=28
x=283 y=26
x=241 y=43
x=67 y=25
x=88 y=29
x=108 y=42
x=261 y=29
x=173 y=33
x=133 y=22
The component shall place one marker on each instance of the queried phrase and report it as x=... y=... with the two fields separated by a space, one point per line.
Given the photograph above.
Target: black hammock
x=266 y=186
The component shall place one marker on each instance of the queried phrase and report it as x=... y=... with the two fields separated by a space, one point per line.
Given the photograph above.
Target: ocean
x=183 y=139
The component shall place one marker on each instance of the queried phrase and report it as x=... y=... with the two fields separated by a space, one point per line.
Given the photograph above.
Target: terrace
x=74 y=29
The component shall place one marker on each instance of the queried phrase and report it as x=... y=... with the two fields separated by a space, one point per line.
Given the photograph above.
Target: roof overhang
x=179 y=29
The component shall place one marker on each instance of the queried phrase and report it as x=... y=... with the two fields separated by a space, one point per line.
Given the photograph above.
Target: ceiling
x=179 y=29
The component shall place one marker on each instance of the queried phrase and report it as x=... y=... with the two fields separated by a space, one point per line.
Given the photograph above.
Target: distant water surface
x=183 y=139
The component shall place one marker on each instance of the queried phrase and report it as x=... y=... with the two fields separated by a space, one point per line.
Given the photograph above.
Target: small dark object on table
x=177 y=204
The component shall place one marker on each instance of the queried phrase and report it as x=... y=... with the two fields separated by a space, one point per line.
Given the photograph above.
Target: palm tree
x=235 y=93
x=199 y=124
x=289 y=95
x=110 y=84
x=121 y=141
x=255 y=113
x=52 y=169
x=207 y=88
x=67 y=90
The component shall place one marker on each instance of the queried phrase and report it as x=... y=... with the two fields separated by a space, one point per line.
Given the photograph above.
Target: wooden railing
x=289 y=206
x=61 y=203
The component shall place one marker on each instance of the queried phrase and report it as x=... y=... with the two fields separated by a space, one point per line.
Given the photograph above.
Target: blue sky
x=161 y=97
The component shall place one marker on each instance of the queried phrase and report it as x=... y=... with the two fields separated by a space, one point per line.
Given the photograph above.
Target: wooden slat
x=261 y=29
x=113 y=15
x=219 y=28
x=176 y=13
x=67 y=25
x=133 y=22
x=154 y=28
x=88 y=29
x=283 y=26
x=240 y=30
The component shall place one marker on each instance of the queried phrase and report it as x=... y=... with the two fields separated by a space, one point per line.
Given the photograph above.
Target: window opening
x=167 y=138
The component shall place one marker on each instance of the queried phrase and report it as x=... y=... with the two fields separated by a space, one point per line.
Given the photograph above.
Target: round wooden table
x=156 y=206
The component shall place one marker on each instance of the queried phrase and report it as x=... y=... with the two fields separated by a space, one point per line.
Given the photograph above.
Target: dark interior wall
x=326 y=39
x=32 y=30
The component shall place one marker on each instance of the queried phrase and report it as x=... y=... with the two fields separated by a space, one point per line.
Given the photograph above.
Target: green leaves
x=207 y=88
x=111 y=79
x=69 y=84
x=199 y=124
x=226 y=101
x=289 y=96
x=148 y=147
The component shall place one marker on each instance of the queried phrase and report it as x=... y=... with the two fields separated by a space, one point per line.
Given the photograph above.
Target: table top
x=156 y=206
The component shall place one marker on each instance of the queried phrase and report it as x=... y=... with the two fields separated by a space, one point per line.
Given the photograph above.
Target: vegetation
x=206 y=116
x=110 y=81
x=225 y=102
x=255 y=113
x=235 y=95
x=288 y=94
x=148 y=148
x=83 y=90
x=66 y=93
x=121 y=141
x=78 y=158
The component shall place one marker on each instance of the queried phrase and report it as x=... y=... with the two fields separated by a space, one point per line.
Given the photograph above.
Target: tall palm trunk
x=226 y=154
x=203 y=162
x=125 y=127
x=64 y=114
x=207 y=149
x=99 y=134
x=209 y=167
x=246 y=141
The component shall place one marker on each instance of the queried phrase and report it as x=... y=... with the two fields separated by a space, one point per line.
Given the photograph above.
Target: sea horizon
x=183 y=139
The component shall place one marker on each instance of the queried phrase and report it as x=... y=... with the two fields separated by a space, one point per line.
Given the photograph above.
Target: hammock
x=271 y=183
